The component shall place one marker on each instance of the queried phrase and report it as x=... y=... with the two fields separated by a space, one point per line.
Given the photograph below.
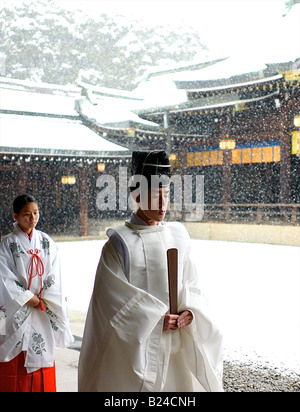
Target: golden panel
x=214 y=158
x=220 y=158
x=277 y=154
x=190 y=159
x=205 y=159
x=296 y=142
x=246 y=155
x=256 y=155
x=267 y=154
x=198 y=157
x=236 y=157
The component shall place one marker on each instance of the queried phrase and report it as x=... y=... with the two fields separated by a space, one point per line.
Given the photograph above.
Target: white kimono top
x=31 y=267
x=124 y=347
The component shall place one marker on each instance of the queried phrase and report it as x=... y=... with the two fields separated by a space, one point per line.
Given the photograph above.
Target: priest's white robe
x=23 y=328
x=124 y=347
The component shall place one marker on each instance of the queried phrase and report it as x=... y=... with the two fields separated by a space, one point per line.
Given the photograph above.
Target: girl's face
x=153 y=205
x=28 y=217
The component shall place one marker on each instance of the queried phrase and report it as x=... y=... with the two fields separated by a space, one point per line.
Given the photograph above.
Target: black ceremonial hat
x=153 y=163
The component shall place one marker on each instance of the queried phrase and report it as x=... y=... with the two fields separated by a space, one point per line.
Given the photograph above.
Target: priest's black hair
x=22 y=201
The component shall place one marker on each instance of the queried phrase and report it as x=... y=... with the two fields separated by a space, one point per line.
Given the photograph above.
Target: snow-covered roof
x=174 y=71
x=112 y=113
x=41 y=118
x=163 y=90
x=107 y=91
x=39 y=135
x=34 y=85
x=232 y=101
x=28 y=101
x=226 y=68
x=235 y=85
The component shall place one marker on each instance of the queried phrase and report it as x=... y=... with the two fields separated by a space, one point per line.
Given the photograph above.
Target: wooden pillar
x=83 y=195
x=227 y=159
x=285 y=158
x=182 y=161
x=48 y=194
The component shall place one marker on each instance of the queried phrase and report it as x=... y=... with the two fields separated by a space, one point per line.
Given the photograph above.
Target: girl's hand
x=34 y=302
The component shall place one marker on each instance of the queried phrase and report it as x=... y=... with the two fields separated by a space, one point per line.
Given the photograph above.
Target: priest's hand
x=170 y=322
x=185 y=319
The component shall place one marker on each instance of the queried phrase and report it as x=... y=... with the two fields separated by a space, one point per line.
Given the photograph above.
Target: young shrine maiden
x=29 y=332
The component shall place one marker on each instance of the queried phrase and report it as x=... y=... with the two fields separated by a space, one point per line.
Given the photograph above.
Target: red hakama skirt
x=14 y=377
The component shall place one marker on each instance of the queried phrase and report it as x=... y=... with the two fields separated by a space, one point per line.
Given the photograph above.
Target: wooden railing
x=257 y=213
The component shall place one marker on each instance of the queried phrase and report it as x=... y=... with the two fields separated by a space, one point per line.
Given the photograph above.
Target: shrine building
x=239 y=128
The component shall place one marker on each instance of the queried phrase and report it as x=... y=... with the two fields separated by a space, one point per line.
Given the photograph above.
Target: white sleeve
x=120 y=247
x=24 y=297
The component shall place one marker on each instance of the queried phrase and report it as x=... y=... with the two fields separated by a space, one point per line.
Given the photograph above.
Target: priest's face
x=28 y=217
x=153 y=205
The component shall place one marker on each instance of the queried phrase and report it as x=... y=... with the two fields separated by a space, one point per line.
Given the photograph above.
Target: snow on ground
x=253 y=290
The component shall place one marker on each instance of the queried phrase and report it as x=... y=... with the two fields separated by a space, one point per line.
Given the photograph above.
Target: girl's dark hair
x=21 y=201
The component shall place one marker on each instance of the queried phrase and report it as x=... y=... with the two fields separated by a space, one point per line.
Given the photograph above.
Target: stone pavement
x=66 y=360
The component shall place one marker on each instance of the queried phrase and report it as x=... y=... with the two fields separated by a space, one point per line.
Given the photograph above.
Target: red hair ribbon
x=39 y=271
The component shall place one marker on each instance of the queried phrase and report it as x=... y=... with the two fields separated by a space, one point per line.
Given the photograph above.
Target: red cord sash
x=36 y=262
